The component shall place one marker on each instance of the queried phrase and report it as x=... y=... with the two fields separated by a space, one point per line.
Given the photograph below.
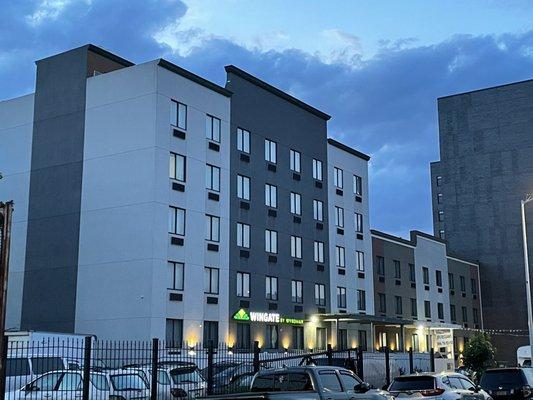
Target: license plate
x=501 y=393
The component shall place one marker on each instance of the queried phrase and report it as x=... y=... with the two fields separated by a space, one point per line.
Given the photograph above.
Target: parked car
x=307 y=382
x=22 y=369
x=223 y=379
x=218 y=367
x=68 y=385
x=508 y=383
x=175 y=379
x=444 y=385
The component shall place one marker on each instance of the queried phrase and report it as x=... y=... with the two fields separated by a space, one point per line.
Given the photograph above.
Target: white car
x=442 y=386
x=68 y=385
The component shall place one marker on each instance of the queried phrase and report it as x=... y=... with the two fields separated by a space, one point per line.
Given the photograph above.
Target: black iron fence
x=83 y=369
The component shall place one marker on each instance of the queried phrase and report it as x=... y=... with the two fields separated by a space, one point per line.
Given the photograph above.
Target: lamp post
x=529 y=198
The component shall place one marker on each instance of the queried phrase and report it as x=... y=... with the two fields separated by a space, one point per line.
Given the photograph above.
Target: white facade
x=123 y=274
x=356 y=277
x=16 y=127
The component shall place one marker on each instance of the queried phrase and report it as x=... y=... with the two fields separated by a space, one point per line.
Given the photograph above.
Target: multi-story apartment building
x=485 y=169
x=423 y=287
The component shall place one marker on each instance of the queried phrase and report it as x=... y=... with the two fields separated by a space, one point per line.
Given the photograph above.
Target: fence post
x=86 y=367
x=210 y=367
x=387 y=365
x=3 y=368
x=432 y=360
x=360 y=371
x=155 y=359
x=330 y=355
x=256 y=356
x=411 y=361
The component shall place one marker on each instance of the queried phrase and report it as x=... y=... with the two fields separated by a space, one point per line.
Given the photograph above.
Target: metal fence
x=156 y=370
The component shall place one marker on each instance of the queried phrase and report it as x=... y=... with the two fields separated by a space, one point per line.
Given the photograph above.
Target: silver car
x=442 y=386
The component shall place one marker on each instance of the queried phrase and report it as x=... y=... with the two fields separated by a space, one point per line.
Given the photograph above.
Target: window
x=360 y=256
x=330 y=382
x=398 y=306
x=296 y=203
x=473 y=285
x=362 y=340
x=438 y=278
x=212 y=228
x=271 y=196
x=176 y=272
x=476 y=315
x=441 y=216
x=320 y=294
x=298 y=338
x=272 y=336
x=442 y=234
x=295 y=161
x=212 y=178
x=210 y=280
x=427 y=309
x=357 y=185
x=318 y=207
x=71 y=381
x=462 y=281
x=243 y=140
x=212 y=128
x=321 y=338
x=338 y=179
x=412 y=273
x=414 y=308
x=271 y=284
x=319 y=252
x=243 y=187
x=271 y=241
x=439 y=198
x=341 y=297
x=243 y=284
x=361 y=300
x=317 y=169
x=339 y=217
x=210 y=333
x=397 y=269
x=243 y=235
x=415 y=343
x=453 y=315
x=243 y=336
x=270 y=151
x=297 y=291
x=340 y=256
x=465 y=314
x=178 y=114
x=342 y=342
x=296 y=247
x=382 y=303
x=451 y=281
x=174 y=332
x=380 y=265
x=359 y=223
x=438 y=179
x=177 y=167
x=425 y=272
x=176 y=221
x=440 y=311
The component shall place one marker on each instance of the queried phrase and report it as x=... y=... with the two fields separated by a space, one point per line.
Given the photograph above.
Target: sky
x=377 y=67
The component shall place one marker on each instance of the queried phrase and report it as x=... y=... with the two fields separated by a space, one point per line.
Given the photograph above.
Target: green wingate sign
x=241 y=315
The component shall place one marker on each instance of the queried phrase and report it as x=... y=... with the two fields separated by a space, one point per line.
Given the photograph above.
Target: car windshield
x=42 y=365
x=504 y=379
x=185 y=376
x=127 y=382
x=99 y=381
x=412 y=383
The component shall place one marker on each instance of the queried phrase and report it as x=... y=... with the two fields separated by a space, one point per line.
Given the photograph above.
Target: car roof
x=434 y=375
x=302 y=368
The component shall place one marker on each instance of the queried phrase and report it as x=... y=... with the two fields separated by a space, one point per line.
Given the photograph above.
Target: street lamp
x=529 y=198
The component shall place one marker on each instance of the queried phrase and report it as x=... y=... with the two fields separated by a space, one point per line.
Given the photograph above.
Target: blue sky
x=376 y=66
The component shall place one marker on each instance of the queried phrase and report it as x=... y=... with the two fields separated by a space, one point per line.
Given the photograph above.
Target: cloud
x=384 y=106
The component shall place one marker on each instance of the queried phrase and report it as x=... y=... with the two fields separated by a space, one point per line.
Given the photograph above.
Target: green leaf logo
x=241 y=315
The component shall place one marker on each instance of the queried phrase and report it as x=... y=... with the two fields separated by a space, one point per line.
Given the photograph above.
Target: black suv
x=508 y=383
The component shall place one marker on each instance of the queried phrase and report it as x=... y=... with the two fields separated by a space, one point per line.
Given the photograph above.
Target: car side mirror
x=477 y=388
x=30 y=388
x=362 y=387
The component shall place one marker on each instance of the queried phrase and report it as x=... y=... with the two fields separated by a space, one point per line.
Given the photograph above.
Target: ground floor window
x=272 y=336
x=342 y=339
x=174 y=332
x=321 y=338
x=415 y=344
x=362 y=341
x=298 y=337
x=383 y=342
x=210 y=333
x=243 y=336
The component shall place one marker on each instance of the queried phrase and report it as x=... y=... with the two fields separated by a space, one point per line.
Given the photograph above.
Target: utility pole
x=526 y=267
x=6 y=213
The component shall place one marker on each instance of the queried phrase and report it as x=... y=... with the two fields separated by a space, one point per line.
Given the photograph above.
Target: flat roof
x=487 y=88
x=193 y=77
x=348 y=149
x=391 y=237
x=280 y=93
x=109 y=55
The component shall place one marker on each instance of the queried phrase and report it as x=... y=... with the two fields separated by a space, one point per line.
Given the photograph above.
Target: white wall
x=16 y=127
x=351 y=165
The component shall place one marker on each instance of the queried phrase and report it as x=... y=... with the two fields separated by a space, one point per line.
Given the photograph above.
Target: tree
x=479 y=353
